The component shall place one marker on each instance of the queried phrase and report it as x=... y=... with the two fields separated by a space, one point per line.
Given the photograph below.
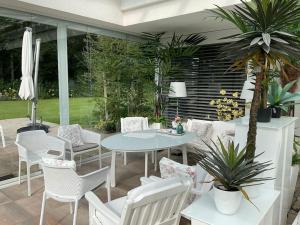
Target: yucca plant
x=230 y=167
x=281 y=97
x=263 y=41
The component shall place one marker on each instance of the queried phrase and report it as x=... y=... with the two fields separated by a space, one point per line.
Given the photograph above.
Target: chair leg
x=75 y=212
x=20 y=164
x=28 y=179
x=155 y=160
x=108 y=185
x=146 y=164
x=71 y=208
x=169 y=153
x=153 y=157
x=100 y=158
x=43 y=209
x=125 y=158
x=184 y=155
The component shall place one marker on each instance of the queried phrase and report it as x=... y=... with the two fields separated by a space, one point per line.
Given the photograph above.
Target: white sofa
x=208 y=132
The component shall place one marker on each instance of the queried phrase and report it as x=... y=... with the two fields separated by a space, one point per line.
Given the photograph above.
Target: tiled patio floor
x=16 y=208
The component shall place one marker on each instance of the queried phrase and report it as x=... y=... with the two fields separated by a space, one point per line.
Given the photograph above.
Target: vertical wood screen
x=205 y=75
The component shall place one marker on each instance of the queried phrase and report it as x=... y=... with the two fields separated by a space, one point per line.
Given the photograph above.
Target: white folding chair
x=157 y=203
x=63 y=184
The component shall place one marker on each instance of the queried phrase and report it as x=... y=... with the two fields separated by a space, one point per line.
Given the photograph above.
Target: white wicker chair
x=91 y=142
x=63 y=184
x=32 y=146
x=2 y=136
x=133 y=124
x=157 y=203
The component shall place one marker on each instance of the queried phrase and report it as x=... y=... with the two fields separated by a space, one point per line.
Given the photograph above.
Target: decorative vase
x=276 y=112
x=227 y=202
x=179 y=129
x=264 y=115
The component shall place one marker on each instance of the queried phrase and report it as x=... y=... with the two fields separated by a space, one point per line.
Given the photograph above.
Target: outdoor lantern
x=177 y=90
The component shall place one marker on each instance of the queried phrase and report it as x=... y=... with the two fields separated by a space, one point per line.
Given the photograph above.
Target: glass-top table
x=144 y=141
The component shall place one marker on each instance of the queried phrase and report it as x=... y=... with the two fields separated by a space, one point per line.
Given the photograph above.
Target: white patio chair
x=80 y=141
x=64 y=185
x=158 y=203
x=32 y=146
x=2 y=136
x=297 y=219
x=133 y=124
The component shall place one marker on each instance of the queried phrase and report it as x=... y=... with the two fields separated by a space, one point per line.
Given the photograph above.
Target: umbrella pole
x=36 y=74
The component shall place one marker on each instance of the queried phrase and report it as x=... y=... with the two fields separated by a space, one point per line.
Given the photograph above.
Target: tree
x=163 y=53
x=263 y=41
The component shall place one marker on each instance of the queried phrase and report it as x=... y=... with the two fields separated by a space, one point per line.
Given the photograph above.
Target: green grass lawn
x=81 y=110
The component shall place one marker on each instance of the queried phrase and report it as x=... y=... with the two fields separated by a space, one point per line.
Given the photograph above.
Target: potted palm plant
x=280 y=98
x=232 y=172
x=262 y=40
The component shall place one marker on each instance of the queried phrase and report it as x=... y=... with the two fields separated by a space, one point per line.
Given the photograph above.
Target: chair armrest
x=92 y=180
x=148 y=180
x=54 y=143
x=96 y=204
x=90 y=137
x=68 y=143
x=22 y=151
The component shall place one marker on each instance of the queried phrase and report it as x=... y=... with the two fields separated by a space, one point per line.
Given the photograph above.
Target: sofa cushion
x=223 y=130
x=84 y=147
x=203 y=130
x=71 y=133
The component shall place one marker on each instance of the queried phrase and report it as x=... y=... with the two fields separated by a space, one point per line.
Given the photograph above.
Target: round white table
x=144 y=141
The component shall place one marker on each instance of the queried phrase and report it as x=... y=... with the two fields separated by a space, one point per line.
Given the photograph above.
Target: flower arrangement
x=227 y=108
x=177 y=120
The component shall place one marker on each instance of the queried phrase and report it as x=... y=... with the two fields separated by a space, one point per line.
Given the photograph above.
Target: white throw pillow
x=72 y=133
x=203 y=129
x=170 y=168
x=223 y=130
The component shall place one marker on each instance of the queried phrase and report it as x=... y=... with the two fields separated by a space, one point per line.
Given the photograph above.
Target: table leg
x=113 y=169
x=155 y=160
x=146 y=164
x=184 y=154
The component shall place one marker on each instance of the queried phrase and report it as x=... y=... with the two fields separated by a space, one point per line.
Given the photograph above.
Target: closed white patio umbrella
x=26 y=91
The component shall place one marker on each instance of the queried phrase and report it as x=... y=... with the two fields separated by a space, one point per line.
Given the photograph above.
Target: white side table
x=2 y=137
x=204 y=212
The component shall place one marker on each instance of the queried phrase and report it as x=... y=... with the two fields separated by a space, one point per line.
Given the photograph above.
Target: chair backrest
x=35 y=140
x=61 y=180
x=72 y=133
x=132 y=124
x=158 y=203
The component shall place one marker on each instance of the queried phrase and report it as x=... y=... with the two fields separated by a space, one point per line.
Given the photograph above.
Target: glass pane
x=14 y=112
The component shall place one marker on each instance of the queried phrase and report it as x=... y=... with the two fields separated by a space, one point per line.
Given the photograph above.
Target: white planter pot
x=156 y=126
x=227 y=202
x=293 y=182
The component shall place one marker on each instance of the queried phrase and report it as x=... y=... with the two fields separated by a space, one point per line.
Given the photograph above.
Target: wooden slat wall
x=205 y=75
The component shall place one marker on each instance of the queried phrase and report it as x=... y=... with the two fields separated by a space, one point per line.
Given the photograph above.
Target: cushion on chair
x=131 y=124
x=84 y=147
x=203 y=130
x=170 y=168
x=57 y=163
x=71 y=133
x=223 y=130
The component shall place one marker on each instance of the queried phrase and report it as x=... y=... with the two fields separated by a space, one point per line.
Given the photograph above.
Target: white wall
x=98 y=10
x=171 y=8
